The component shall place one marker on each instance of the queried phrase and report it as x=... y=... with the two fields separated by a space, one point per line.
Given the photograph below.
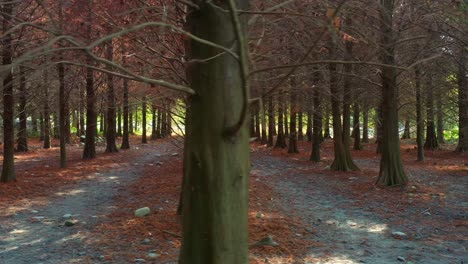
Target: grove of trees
x=220 y=74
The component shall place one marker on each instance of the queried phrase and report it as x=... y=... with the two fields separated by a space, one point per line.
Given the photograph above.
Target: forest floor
x=315 y=215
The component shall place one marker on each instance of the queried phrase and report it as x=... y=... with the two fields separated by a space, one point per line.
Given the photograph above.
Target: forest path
x=349 y=234
x=39 y=236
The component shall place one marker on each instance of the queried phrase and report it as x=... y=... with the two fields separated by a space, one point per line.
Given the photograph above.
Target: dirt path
x=39 y=235
x=349 y=234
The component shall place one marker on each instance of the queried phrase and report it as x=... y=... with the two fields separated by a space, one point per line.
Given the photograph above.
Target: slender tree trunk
x=271 y=124
x=143 y=122
x=462 y=100
x=280 y=139
x=419 y=117
x=126 y=114
x=41 y=126
x=300 y=125
x=431 y=138
x=285 y=119
x=264 y=124
x=110 y=117
x=252 y=124
x=356 y=126
x=309 y=123
x=215 y=211
x=8 y=169
x=292 y=146
x=119 y=121
x=391 y=166
x=257 y=122
x=130 y=121
x=56 y=127
x=82 y=113
x=327 y=122
x=158 y=125
x=34 y=128
x=379 y=128
x=89 y=151
x=169 y=119
x=22 y=132
x=154 y=135
x=440 y=119
x=406 y=132
x=317 y=125
x=62 y=115
x=46 y=111
x=365 y=124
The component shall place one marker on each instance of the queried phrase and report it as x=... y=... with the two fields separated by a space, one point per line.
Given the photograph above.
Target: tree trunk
x=317 y=125
x=130 y=121
x=280 y=139
x=8 y=169
x=292 y=148
x=158 y=125
x=406 y=132
x=271 y=124
x=365 y=124
x=419 y=117
x=47 y=129
x=82 y=113
x=41 y=126
x=22 y=132
x=462 y=101
x=379 y=128
x=143 y=121
x=62 y=115
x=327 y=122
x=300 y=125
x=309 y=123
x=341 y=134
x=126 y=114
x=154 y=135
x=431 y=138
x=264 y=139
x=356 y=126
x=119 y=122
x=252 y=124
x=215 y=199
x=285 y=119
x=110 y=117
x=257 y=121
x=440 y=119
x=56 y=127
x=391 y=166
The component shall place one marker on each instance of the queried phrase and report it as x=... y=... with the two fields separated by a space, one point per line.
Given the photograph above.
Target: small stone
x=146 y=241
x=260 y=215
x=139 y=260
x=400 y=258
x=34 y=211
x=399 y=235
x=144 y=211
x=153 y=255
x=427 y=213
x=175 y=154
x=66 y=216
x=70 y=222
x=158 y=163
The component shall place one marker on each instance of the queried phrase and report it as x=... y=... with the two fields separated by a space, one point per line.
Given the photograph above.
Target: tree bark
x=126 y=114
x=47 y=129
x=419 y=116
x=292 y=146
x=271 y=123
x=154 y=135
x=143 y=121
x=327 y=122
x=110 y=117
x=356 y=126
x=317 y=125
x=62 y=115
x=264 y=136
x=365 y=124
x=280 y=139
x=440 y=119
x=462 y=100
x=8 y=169
x=431 y=138
x=215 y=211
x=406 y=132
x=391 y=166
x=22 y=141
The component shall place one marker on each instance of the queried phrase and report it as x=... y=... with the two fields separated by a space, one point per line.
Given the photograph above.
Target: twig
x=170 y=233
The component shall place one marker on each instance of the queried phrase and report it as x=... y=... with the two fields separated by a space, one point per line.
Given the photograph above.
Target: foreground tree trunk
x=22 y=145
x=215 y=200
x=110 y=117
x=8 y=169
x=391 y=167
